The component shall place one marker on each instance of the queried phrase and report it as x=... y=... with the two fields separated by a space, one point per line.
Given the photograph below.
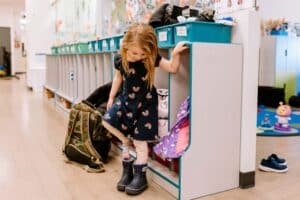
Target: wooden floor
x=31 y=164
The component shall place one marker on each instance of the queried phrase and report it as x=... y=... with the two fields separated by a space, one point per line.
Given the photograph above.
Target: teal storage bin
x=68 y=49
x=115 y=43
x=279 y=32
x=202 y=32
x=90 y=47
x=73 y=48
x=95 y=46
x=105 y=44
x=82 y=47
x=165 y=36
x=99 y=45
x=63 y=49
x=54 y=50
x=120 y=41
x=58 y=50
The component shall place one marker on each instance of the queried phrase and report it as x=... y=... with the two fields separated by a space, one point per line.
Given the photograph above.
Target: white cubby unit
x=211 y=74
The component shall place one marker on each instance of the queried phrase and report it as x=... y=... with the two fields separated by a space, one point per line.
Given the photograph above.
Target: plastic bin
x=115 y=43
x=73 y=48
x=67 y=49
x=63 y=49
x=82 y=47
x=95 y=46
x=105 y=44
x=58 y=50
x=120 y=41
x=165 y=36
x=99 y=45
x=54 y=50
x=90 y=47
x=202 y=32
x=279 y=32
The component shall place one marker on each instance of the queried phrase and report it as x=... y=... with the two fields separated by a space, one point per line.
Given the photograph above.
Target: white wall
x=39 y=39
x=248 y=33
x=288 y=9
x=20 y=61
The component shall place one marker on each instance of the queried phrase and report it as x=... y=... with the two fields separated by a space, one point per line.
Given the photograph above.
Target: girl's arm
x=172 y=65
x=114 y=88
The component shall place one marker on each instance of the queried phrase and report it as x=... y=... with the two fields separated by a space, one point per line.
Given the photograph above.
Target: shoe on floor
x=280 y=161
x=270 y=165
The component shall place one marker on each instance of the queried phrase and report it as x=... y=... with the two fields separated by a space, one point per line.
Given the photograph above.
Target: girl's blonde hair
x=143 y=36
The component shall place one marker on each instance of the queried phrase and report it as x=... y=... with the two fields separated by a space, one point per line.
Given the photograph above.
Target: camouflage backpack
x=87 y=141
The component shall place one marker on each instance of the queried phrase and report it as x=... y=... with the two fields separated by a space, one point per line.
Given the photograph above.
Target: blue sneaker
x=280 y=161
x=270 y=165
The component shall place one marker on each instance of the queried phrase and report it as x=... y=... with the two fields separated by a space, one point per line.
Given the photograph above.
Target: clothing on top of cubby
x=166 y=14
x=207 y=15
x=170 y=146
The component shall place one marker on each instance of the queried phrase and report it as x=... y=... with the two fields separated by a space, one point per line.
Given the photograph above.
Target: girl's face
x=135 y=54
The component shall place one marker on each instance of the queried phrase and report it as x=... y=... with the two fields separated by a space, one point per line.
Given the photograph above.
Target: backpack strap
x=71 y=125
x=85 y=116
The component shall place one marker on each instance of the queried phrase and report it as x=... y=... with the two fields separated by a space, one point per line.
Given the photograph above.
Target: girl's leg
x=141 y=148
x=139 y=181
x=127 y=174
x=125 y=141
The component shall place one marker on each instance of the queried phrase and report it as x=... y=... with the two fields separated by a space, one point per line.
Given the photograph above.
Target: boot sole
x=268 y=169
x=130 y=191
x=121 y=188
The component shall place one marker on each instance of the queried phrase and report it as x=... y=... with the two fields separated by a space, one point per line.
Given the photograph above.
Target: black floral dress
x=134 y=113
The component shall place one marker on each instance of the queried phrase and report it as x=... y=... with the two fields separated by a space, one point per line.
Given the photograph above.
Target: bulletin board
x=76 y=20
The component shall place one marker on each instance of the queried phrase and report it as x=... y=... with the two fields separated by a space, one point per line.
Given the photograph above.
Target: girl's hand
x=109 y=103
x=180 y=47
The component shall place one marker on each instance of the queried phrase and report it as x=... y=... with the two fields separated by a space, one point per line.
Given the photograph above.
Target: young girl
x=134 y=113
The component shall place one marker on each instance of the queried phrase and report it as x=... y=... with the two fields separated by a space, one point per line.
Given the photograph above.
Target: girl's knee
x=109 y=127
x=141 y=145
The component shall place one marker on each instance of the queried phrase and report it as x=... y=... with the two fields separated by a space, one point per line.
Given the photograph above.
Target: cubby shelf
x=211 y=74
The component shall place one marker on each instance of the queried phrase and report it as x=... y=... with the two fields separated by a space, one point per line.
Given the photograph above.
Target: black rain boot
x=127 y=175
x=139 y=181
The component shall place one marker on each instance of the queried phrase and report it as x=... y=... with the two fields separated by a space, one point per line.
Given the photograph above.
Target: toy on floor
x=283 y=116
x=265 y=124
x=2 y=71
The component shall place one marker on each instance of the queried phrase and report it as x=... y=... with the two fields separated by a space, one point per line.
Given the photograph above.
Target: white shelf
x=64 y=96
x=206 y=73
x=60 y=106
x=50 y=88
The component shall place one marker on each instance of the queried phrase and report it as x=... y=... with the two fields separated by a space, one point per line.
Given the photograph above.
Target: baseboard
x=247 y=179
x=20 y=73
